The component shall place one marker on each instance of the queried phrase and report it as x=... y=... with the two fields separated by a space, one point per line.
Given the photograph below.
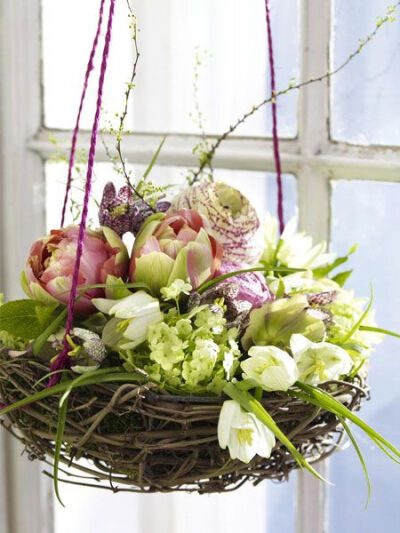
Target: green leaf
x=154 y=158
x=360 y=456
x=322 y=272
x=321 y=398
x=342 y=277
x=214 y=281
x=92 y=378
x=51 y=328
x=360 y=320
x=250 y=404
x=133 y=285
x=380 y=330
x=281 y=288
x=26 y=319
x=62 y=417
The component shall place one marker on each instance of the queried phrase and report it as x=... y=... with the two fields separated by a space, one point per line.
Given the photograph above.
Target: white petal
x=228 y=411
x=103 y=304
x=246 y=452
x=299 y=343
x=131 y=306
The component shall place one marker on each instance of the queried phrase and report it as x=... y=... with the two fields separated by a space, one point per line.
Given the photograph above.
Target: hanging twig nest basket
x=136 y=439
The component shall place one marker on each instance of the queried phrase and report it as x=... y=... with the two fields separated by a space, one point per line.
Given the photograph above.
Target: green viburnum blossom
x=175 y=289
x=192 y=353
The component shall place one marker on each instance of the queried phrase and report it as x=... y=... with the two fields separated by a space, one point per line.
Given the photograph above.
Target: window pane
x=365 y=108
x=368 y=213
x=68 y=33
x=232 y=79
x=230 y=36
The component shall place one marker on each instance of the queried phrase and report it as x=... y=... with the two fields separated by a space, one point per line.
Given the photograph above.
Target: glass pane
x=368 y=213
x=365 y=107
x=234 y=74
x=68 y=33
x=266 y=506
x=229 y=35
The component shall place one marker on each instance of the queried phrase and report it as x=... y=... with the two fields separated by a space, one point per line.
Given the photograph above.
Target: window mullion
x=314 y=199
x=21 y=221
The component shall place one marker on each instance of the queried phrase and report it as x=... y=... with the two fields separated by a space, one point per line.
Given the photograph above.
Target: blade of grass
x=154 y=158
x=52 y=328
x=117 y=377
x=250 y=404
x=323 y=399
x=133 y=285
x=62 y=417
x=360 y=320
x=216 y=280
x=374 y=329
x=360 y=456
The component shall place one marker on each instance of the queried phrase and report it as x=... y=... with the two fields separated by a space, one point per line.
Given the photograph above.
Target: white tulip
x=296 y=250
x=243 y=434
x=271 y=368
x=319 y=361
x=136 y=312
x=270 y=233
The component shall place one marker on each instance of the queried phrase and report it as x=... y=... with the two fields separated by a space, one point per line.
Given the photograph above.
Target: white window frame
x=313 y=157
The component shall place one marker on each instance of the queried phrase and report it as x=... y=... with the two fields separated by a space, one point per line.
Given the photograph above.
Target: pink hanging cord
x=90 y=67
x=62 y=360
x=275 y=138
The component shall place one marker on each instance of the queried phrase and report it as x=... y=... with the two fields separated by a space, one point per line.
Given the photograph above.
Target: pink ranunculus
x=179 y=245
x=233 y=219
x=252 y=286
x=50 y=265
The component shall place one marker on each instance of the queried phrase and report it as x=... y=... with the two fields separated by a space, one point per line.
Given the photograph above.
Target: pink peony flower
x=178 y=245
x=50 y=265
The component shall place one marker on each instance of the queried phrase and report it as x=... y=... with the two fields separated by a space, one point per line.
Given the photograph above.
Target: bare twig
x=207 y=158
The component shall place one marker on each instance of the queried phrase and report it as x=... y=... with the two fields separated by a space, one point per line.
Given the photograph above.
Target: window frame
x=313 y=157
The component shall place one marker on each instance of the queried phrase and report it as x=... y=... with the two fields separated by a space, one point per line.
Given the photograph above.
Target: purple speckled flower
x=117 y=211
x=252 y=287
x=122 y=213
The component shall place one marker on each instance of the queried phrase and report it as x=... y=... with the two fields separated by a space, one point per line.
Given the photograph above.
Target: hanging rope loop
x=90 y=67
x=275 y=137
x=63 y=359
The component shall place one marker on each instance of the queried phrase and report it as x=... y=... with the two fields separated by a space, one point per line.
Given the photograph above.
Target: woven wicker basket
x=135 y=439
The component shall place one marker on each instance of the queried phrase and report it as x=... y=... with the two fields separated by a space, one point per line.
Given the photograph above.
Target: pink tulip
x=179 y=245
x=50 y=265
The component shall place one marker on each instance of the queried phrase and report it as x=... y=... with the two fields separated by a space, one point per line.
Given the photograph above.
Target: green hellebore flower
x=319 y=361
x=275 y=322
x=270 y=368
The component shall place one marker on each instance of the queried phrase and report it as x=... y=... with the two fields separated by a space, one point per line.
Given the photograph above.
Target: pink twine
x=63 y=359
x=275 y=138
x=90 y=67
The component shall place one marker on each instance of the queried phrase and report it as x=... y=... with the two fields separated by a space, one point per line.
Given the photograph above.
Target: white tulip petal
x=228 y=410
x=103 y=304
